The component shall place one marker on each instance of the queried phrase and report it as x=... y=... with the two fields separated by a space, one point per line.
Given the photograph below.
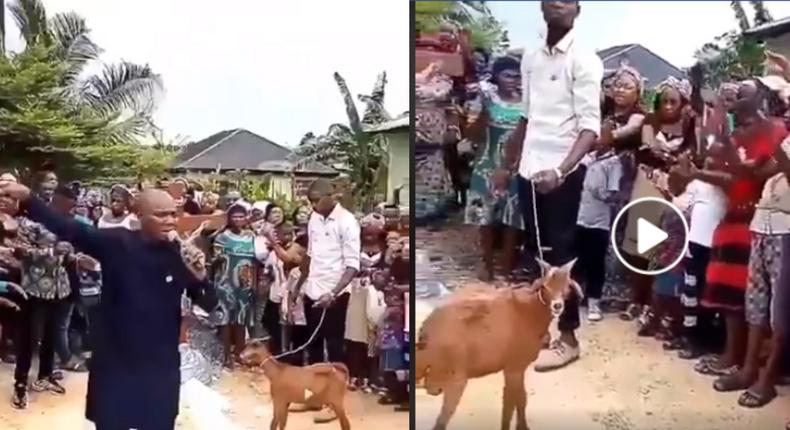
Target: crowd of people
x=559 y=146
x=320 y=283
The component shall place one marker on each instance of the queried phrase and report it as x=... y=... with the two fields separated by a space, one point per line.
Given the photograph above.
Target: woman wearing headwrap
x=433 y=187
x=210 y=204
x=608 y=182
x=492 y=201
x=668 y=132
x=235 y=279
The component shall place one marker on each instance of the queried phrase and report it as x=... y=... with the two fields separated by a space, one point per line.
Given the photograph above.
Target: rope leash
x=303 y=346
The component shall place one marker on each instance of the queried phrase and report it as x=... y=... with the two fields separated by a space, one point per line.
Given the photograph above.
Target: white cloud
x=262 y=65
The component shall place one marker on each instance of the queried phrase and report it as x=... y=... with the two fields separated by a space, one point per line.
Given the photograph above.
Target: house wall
x=282 y=185
x=780 y=44
x=398 y=173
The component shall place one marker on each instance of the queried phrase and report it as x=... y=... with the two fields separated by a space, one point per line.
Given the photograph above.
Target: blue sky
x=672 y=29
x=262 y=65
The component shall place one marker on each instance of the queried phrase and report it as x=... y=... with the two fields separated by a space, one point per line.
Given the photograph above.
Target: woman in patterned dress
x=433 y=187
x=235 y=278
x=493 y=192
x=666 y=133
x=623 y=116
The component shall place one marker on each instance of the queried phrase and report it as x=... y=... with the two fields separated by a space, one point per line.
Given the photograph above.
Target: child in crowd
x=391 y=339
x=357 y=327
x=601 y=190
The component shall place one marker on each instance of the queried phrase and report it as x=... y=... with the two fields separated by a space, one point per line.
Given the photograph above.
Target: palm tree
x=761 y=14
x=486 y=32
x=122 y=96
x=361 y=157
x=732 y=55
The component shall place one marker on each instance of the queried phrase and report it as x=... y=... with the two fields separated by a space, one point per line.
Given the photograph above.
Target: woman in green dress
x=235 y=278
x=492 y=203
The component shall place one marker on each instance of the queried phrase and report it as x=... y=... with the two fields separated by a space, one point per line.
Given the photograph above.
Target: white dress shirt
x=561 y=98
x=333 y=246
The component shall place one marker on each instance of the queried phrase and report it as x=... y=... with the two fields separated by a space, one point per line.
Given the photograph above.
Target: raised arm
x=87 y=239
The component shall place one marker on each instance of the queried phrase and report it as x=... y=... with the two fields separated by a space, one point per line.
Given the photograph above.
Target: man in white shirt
x=560 y=124
x=333 y=250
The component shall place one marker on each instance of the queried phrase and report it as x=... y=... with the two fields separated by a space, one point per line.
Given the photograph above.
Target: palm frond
x=740 y=15
x=351 y=108
x=761 y=13
x=123 y=86
x=31 y=19
x=126 y=130
x=71 y=36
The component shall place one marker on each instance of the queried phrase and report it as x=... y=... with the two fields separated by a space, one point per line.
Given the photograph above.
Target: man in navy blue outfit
x=134 y=376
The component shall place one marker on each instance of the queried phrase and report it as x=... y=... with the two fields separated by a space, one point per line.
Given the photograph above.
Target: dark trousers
x=113 y=426
x=63 y=316
x=331 y=333
x=590 y=269
x=283 y=338
x=38 y=321
x=271 y=323
x=695 y=266
x=357 y=359
x=556 y=214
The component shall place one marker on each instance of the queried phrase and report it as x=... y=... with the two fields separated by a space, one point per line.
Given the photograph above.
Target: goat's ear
x=577 y=289
x=544 y=267
x=568 y=267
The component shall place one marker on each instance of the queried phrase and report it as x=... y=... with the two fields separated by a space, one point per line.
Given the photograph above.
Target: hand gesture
x=10 y=286
x=86 y=262
x=778 y=59
x=546 y=181
x=9 y=304
x=14 y=190
x=324 y=301
x=429 y=72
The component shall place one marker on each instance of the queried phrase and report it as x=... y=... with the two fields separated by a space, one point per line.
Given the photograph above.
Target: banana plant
x=361 y=157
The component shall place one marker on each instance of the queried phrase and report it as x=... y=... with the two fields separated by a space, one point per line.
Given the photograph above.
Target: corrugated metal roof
x=243 y=150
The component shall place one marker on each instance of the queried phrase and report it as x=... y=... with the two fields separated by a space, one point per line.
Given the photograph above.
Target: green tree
x=51 y=109
x=486 y=31
x=361 y=157
x=733 y=56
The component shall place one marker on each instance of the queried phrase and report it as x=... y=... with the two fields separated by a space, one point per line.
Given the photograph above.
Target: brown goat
x=480 y=331
x=324 y=382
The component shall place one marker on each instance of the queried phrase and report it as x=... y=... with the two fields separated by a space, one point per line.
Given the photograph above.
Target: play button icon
x=642 y=236
x=648 y=235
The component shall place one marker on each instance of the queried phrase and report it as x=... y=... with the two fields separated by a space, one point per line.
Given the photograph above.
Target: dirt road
x=621 y=382
x=250 y=409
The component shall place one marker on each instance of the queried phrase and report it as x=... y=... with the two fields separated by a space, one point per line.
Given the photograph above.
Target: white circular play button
x=645 y=213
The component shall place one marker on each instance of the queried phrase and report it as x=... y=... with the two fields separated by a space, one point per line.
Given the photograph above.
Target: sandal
x=48 y=384
x=75 y=366
x=19 y=398
x=403 y=407
x=709 y=368
x=674 y=344
x=387 y=400
x=729 y=383
x=750 y=399
x=630 y=313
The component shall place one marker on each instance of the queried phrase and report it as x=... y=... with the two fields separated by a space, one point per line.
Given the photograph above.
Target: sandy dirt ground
x=250 y=407
x=621 y=382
